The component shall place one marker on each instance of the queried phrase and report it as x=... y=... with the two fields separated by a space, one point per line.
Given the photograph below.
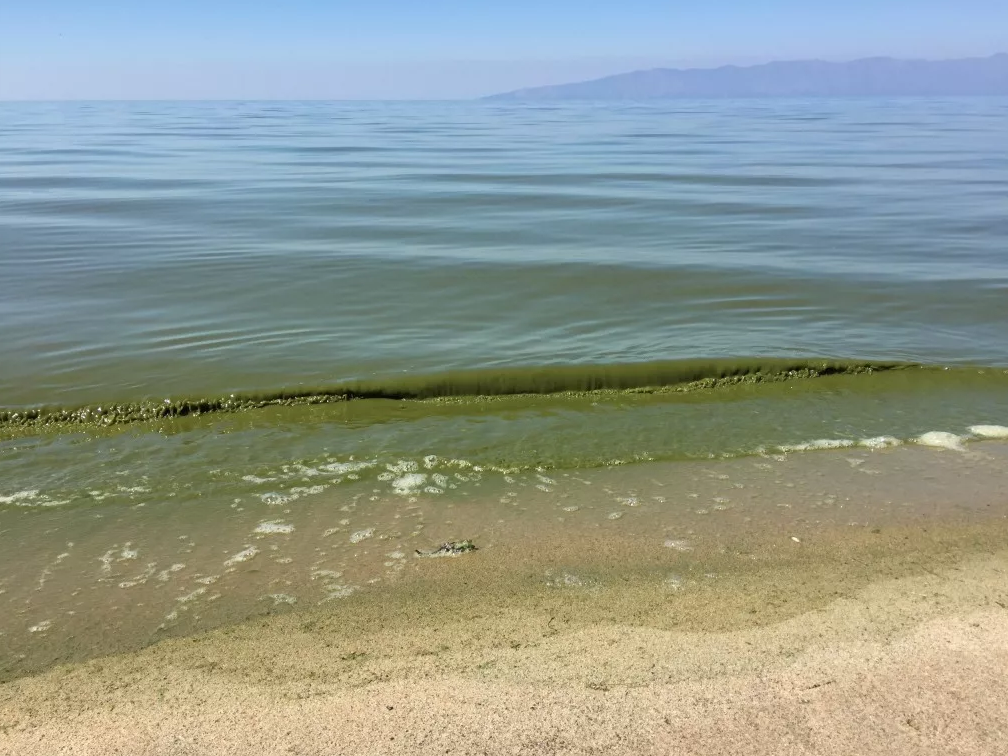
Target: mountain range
x=867 y=77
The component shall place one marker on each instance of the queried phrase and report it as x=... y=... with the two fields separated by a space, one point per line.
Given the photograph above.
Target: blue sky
x=80 y=49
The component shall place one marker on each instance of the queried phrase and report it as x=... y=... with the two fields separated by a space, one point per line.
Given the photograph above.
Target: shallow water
x=85 y=581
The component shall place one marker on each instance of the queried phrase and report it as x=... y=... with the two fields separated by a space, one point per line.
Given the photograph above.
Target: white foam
x=140 y=579
x=20 y=497
x=409 y=483
x=191 y=596
x=941 y=440
x=274 y=499
x=360 y=535
x=256 y=479
x=342 y=468
x=273 y=527
x=30 y=498
x=165 y=574
x=879 y=442
x=819 y=443
x=989 y=431
x=41 y=627
x=298 y=491
x=403 y=466
x=241 y=556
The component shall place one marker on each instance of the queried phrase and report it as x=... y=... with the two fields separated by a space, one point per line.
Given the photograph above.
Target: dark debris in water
x=449 y=548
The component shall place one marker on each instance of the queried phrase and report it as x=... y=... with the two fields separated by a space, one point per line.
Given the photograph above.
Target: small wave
x=989 y=431
x=942 y=440
x=669 y=375
x=879 y=442
x=820 y=443
x=30 y=498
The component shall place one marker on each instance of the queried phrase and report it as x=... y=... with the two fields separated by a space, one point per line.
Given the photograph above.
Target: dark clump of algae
x=661 y=376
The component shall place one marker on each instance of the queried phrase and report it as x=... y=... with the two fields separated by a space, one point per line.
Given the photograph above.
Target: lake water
x=214 y=308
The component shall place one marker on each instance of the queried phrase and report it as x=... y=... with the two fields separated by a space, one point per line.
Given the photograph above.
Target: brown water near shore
x=91 y=582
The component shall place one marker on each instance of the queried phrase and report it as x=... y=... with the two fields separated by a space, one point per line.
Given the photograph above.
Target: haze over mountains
x=867 y=77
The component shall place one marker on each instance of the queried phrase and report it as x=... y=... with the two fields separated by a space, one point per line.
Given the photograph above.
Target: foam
x=128 y=553
x=41 y=627
x=879 y=442
x=403 y=466
x=256 y=479
x=273 y=527
x=360 y=535
x=989 y=431
x=164 y=575
x=242 y=556
x=20 y=497
x=185 y=599
x=142 y=578
x=819 y=443
x=30 y=498
x=941 y=440
x=409 y=483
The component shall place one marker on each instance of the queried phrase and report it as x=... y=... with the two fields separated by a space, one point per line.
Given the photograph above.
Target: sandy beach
x=874 y=642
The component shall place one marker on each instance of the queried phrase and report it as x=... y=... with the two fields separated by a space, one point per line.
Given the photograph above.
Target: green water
x=285 y=452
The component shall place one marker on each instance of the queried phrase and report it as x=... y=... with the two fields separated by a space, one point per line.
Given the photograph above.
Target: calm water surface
x=162 y=249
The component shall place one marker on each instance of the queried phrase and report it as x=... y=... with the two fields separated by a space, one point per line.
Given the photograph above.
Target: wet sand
x=811 y=631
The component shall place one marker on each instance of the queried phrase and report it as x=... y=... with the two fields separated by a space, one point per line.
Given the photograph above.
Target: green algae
x=678 y=376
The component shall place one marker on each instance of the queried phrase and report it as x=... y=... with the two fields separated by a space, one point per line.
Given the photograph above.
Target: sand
x=883 y=649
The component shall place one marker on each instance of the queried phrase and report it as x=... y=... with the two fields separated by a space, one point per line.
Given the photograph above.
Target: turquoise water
x=181 y=254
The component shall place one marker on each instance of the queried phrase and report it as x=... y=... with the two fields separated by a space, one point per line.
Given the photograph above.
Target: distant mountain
x=868 y=77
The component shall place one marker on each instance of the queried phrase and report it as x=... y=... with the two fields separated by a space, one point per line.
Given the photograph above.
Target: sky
x=444 y=49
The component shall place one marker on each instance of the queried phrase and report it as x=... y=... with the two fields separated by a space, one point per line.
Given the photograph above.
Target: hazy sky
x=110 y=49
